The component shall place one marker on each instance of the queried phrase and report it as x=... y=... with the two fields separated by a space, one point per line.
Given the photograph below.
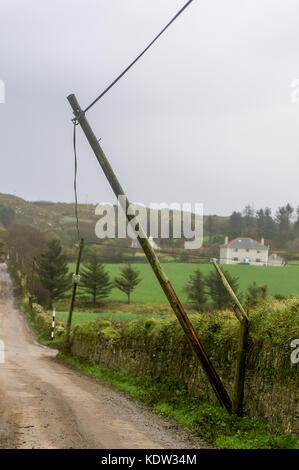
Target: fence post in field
x=75 y=283
x=239 y=380
x=152 y=258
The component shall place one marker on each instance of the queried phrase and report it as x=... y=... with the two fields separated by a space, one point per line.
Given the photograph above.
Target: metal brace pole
x=177 y=307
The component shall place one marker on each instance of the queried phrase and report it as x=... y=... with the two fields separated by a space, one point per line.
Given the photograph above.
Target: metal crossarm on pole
x=177 y=307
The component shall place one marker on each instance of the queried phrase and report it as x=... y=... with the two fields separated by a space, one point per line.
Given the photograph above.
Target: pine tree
x=269 y=225
x=196 y=289
x=2 y=250
x=128 y=280
x=256 y=293
x=218 y=292
x=94 y=279
x=235 y=224
x=283 y=220
x=52 y=271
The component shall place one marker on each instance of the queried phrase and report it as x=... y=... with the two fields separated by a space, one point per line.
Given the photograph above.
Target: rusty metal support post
x=177 y=307
x=239 y=380
x=75 y=283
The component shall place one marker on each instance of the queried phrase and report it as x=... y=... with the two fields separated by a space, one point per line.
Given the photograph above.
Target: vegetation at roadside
x=209 y=422
x=275 y=322
x=42 y=328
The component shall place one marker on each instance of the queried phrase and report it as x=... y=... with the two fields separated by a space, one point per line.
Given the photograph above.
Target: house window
x=247 y=249
x=258 y=260
x=258 y=251
x=235 y=249
x=235 y=259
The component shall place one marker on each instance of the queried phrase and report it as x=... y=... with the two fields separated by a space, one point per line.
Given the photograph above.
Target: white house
x=244 y=250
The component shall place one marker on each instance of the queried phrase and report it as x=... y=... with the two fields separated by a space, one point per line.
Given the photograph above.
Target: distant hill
x=57 y=220
x=54 y=219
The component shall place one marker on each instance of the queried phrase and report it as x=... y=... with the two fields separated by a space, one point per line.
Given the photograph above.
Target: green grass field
x=117 y=317
x=280 y=280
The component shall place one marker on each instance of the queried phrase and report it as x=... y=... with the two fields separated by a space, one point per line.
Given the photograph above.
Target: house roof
x=245 y=243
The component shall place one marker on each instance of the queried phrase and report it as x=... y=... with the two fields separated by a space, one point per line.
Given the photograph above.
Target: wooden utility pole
x=238 y=391
x=75 y=283
x=176 y=305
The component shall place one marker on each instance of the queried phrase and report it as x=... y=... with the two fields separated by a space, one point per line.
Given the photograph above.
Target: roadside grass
x=207 y=421
x=280 y=280
x=43 y=336
x=36 y=327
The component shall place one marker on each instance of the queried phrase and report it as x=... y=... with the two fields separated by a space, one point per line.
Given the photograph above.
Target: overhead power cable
x=104 y=92
x=138 y=57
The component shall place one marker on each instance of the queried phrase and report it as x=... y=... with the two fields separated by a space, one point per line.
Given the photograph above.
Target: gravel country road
x=44 y=404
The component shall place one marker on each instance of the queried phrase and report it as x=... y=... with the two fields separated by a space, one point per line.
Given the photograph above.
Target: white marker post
x=53 y=324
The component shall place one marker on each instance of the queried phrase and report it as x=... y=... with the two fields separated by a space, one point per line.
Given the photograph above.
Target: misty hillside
x=57 y=220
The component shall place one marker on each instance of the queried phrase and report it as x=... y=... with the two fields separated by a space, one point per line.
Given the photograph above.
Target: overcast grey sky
x=205 y=116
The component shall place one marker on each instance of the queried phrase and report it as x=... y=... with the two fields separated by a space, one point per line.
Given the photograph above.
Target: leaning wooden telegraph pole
x=75 y=284
x=176 y=305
